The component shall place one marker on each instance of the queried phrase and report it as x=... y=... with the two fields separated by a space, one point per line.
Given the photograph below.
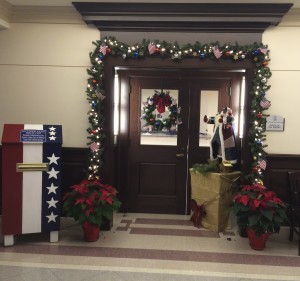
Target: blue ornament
x=263 y=93
x=100 y=56
x=136 y=54
x=256 y=52
x=157 y=123
x=202 y=56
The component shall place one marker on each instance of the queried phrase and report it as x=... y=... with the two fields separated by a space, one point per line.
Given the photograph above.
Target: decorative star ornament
x=52 y=217
x=53 y=159
x=52 y=203
x=53 y=173
x=52 y=188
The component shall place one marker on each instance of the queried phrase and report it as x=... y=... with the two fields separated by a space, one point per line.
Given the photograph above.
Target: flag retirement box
x=31 y=180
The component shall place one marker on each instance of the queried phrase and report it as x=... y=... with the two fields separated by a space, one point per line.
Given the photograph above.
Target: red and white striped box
x=31 y=198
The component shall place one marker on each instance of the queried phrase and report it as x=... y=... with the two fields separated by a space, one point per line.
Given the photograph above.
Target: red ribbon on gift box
x=198 y=213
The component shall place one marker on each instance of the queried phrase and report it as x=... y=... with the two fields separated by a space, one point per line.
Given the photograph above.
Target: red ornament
x=157 y=50
x=227 y=53
x=94 y=81
x=265 y=63
x=108 y=50
x=259 y=115
x=255 y=170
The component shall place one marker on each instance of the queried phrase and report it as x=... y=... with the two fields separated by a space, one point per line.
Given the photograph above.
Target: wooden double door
x=158 y=162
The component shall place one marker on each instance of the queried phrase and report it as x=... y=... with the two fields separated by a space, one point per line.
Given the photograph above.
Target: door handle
x=179 y=155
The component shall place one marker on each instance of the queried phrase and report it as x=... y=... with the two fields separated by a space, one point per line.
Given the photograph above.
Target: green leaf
x=267 y=213
x=254 y=219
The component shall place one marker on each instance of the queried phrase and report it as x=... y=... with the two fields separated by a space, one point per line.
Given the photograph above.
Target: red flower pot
x=257 y=242
x=91 y=232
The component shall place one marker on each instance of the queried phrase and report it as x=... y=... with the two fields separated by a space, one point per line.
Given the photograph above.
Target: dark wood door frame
x=115 y=155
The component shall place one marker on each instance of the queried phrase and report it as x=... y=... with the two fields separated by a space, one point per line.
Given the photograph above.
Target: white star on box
x=52 y=203
x=52 y=138
x=52 y=128
x=52 y=133
x=52 y=188
x=52 y=217
x=53 y=173
x=53 y=159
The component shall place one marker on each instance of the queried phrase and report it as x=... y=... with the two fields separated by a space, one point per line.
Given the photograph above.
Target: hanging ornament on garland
x=159 y=102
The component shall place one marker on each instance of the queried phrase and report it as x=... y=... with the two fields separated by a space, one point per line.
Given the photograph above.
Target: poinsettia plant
x=260 y=209
x=91 y=202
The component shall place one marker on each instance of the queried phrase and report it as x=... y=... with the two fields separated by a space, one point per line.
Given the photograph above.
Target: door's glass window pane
x=155 y=126
x=208 y=107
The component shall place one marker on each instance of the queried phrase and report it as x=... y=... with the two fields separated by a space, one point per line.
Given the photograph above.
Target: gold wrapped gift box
x=215 y=192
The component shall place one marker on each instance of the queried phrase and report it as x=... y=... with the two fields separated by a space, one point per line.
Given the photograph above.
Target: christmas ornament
x=264 y=103
x=217 y=52
x=99 y=94
x=262 y=164
x=103 y=49
x=151 y=48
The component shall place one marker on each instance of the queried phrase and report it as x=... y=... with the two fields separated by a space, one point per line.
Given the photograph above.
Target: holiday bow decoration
x=161 y=101
x=198 y=213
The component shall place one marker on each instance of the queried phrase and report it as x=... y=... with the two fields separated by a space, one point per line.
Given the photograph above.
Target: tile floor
x=144 y=247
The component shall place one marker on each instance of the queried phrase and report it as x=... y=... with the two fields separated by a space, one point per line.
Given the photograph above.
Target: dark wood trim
x=193 y=17
x=276 y=173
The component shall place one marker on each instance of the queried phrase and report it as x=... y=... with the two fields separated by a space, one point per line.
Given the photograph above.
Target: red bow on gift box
x=198 y=213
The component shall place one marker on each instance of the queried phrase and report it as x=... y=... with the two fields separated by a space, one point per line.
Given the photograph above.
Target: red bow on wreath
x=198 y=213
x=162 y=101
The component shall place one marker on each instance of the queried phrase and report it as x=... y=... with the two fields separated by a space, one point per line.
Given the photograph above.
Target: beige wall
x=285 y=88
x=43 y=76
x=43 y=79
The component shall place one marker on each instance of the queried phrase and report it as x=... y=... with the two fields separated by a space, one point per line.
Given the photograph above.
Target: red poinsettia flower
x=81 y=189
x=242 y=199
x=91 y=201
x=261 y=214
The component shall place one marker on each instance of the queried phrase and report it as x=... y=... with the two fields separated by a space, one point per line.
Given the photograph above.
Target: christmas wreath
x=160 y=101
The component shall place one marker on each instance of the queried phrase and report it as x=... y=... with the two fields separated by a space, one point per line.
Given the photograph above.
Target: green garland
x=258 y=53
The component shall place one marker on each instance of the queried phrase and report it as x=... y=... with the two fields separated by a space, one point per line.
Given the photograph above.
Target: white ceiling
x=69 y=2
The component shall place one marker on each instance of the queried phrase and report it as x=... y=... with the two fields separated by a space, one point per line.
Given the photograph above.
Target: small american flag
x=94 y=146
x=103 y=49
x=264 y=103
x=217 y=52
x=151 y=48
x=262 y=164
